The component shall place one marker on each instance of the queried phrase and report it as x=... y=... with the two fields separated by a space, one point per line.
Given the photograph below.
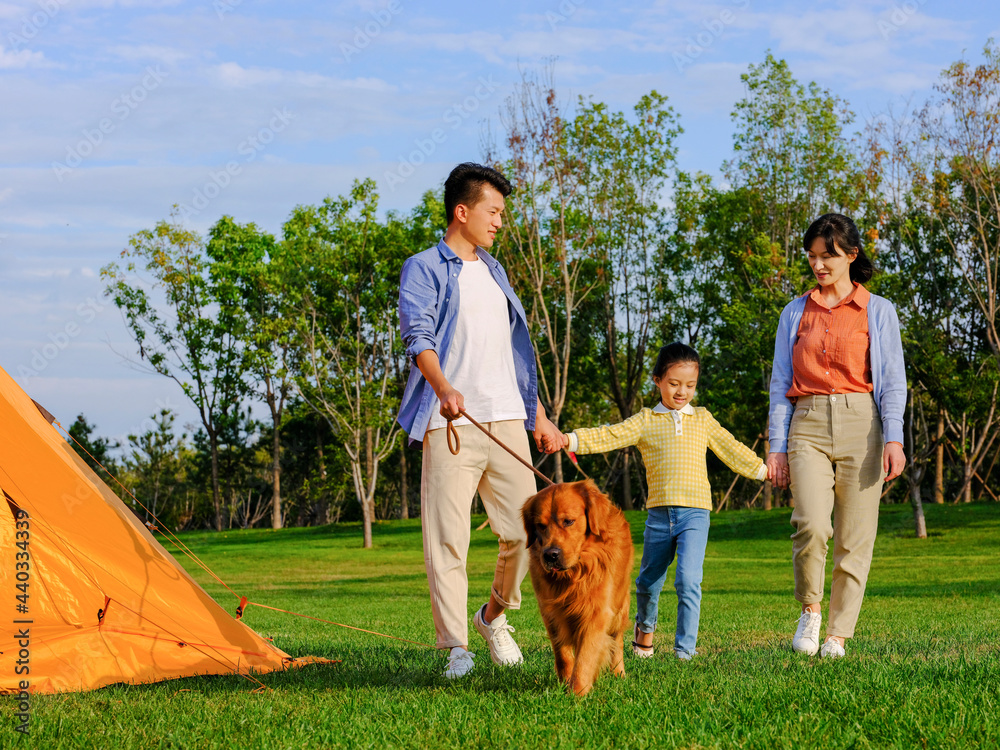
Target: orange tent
x=90 y=598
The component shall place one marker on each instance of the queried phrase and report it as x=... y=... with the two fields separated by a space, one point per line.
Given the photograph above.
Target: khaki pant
x=835 y=461
x=447 y=487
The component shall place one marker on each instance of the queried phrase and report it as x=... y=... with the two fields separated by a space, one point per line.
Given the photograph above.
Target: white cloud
x=18 y=59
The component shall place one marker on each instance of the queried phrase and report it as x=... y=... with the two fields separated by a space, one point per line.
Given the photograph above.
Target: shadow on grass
x=361 y=669
x=934 y=590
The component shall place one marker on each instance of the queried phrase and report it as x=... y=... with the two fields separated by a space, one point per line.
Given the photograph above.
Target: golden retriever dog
x=580 y=557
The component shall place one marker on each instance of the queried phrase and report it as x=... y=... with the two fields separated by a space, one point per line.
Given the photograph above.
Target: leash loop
x=450 y=431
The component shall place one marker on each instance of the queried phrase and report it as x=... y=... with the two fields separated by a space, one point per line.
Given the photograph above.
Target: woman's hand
x=893 y=460
x=777 y=469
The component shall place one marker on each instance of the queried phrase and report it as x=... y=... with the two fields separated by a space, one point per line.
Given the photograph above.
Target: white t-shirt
x=480 y=362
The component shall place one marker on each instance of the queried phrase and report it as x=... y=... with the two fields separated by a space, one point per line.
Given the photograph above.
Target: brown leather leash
x=455 y=445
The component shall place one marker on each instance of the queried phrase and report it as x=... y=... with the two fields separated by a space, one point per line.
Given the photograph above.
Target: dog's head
x=561 y=518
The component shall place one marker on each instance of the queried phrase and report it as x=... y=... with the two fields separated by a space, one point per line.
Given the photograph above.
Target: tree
x=154 y=464
x=548 y=234
x=791 y=154
x=346 y=327
x=424 y=228
x=95 y=451
x=935 y=179
x=959 y=187
x=962 y=125
x=186 y=342
x=251 y=284
x=625 y=168
x=791 y=164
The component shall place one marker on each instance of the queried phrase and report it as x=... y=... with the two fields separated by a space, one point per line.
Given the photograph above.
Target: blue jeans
x=673 y=531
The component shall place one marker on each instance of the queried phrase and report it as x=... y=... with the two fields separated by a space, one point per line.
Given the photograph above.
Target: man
x=466 y=332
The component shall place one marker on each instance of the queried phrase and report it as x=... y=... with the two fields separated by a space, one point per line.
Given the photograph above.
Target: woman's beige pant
x=835 y=462
x=447 y=487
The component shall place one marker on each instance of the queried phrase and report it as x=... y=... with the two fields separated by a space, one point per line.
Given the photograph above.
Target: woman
x=838 y=388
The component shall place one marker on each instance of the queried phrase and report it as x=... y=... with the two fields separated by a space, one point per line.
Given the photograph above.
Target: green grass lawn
x=922 y=672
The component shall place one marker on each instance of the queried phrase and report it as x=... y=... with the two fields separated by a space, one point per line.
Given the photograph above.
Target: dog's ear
x=528 y=518
x=597 y=506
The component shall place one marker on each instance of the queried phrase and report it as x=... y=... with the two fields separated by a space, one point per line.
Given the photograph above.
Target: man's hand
x=893 y=460
x=777 y=469
x=547 y=436
x=452 y=403
x=451 y=400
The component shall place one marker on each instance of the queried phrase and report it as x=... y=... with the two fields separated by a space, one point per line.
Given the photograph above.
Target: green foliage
x=179 y=332
x=155 y=463
x=614 y=252
x=95 y=451
x=346 y=265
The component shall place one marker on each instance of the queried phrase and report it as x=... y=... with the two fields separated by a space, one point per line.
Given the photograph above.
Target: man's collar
x=661 y=409
x=449 y=255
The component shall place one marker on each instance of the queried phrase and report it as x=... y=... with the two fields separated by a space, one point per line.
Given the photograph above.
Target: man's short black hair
x=465 y=185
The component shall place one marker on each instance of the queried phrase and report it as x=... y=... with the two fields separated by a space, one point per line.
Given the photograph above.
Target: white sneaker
x=459 y=663
x=832 y=650
x=806 y=640
x=503 y=650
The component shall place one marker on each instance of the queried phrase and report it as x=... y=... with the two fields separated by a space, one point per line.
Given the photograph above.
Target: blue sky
x=115 y=111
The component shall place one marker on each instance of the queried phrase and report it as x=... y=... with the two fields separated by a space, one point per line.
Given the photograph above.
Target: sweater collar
x=661 y=409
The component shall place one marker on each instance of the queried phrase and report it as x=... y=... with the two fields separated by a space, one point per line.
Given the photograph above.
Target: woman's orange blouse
x=831 y=352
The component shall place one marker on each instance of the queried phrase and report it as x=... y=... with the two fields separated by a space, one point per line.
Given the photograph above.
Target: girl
x=672 y=438
x=838 y=365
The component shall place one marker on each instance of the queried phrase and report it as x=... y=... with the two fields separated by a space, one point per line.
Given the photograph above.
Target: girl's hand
x=893 y=460
x=565 y=440
x=777 y=469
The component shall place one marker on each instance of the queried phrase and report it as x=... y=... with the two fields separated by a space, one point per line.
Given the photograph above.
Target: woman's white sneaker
x=806 y=640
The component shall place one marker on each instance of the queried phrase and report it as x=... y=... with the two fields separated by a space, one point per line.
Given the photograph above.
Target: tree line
x=614 y=251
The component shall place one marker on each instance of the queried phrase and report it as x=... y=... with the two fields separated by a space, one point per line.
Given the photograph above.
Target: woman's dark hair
x=465 y=185
x=838 y=231
x=673 y=354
